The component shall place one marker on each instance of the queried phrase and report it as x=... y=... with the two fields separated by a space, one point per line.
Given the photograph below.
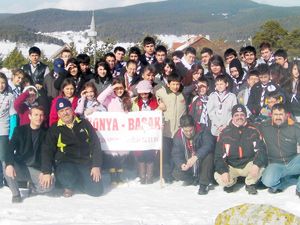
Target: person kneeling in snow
x=240 y=152
x=75 y=147
x=23 y=159
x=192 y=154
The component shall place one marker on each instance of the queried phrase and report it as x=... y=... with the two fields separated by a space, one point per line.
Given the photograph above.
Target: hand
x=96 y=174
x=10 y=172
x=38 y=86
x=184 y=167
x=45 y=180
x=254 y=171
x=162 y=106
x=220 y=128
x=191 y=161
x=225 y=178
x=83 y=93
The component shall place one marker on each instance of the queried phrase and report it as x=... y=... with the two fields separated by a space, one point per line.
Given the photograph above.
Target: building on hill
x=198 y=42
x=57 y=53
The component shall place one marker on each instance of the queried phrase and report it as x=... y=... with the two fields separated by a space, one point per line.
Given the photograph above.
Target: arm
x=207 y=144
x=80 y=106
x=19 y=103
x=104 y=97
x=178 y=151
x=221 y=165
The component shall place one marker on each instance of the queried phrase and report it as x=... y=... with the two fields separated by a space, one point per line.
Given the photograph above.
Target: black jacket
x=237 y=146
x=78 y=145
x=203 y=144
x=21 y=147
x=39 y=73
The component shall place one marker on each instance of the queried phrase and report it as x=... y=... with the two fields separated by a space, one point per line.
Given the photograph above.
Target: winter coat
x=281 y=141
x=256 y=94
x=203 y=144
x=199 y=103
x=175 y=108
x=53 y=117
x=22 y=107
x=219 y=111
x=211 y=82
x=79 y=145
x=49 y=81
x=102 y=85
x=110 y=101
x=237 y=146
x=21 y=147
x=38 y=75
x=86 y=107
x=7 y=112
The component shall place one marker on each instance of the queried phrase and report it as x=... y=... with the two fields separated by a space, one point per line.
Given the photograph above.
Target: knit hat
x=237 y=64
x=238 y=108
x=30 y=87
x=62 y=103
x=144 y=86
x=58 y=65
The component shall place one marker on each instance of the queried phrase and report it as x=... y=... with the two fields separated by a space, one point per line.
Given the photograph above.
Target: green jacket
x=175 y=108
x=281 y=141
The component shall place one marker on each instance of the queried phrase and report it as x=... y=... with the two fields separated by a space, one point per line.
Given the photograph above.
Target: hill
x=230 y=19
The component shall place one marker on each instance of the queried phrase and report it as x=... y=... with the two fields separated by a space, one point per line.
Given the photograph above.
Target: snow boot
x=149 y=173
x=142 y=172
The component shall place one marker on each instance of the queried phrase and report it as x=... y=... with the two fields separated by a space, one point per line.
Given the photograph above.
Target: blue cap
x=62 y=103
x=58 y=65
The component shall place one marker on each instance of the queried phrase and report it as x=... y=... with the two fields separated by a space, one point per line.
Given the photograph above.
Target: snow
x=80 y=40
x=135 y=204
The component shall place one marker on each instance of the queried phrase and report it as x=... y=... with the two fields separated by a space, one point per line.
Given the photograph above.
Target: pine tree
x=73 y=49
x=15 y=59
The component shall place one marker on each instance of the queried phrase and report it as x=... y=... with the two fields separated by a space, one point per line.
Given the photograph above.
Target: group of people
x=221 y=121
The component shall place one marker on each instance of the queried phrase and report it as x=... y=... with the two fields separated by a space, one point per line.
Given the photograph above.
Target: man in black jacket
x=192 y=154
x=72 y=147
x=23 y=160
x=239 y=153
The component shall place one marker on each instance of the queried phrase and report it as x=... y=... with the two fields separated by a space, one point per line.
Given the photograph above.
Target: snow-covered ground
x=80 y=40
x=135 y=204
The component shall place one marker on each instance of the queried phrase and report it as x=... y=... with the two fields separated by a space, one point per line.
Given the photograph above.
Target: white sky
x=17 y=6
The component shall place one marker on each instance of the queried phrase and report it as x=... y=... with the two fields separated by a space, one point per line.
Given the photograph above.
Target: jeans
x=280 y=176
x=3 y=148
x=25 y=173
x=76 y=176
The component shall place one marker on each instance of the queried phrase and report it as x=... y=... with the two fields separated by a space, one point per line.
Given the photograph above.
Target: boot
x=118 y=176
x=149 y=173
x=113 y=176
x=142 y=172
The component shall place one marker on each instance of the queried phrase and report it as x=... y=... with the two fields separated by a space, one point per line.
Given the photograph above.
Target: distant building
x=198 y=42
x=58 y=52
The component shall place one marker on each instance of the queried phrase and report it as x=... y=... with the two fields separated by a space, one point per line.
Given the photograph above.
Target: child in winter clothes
x=116 y=99
x=198 y=107
x=172 y=103
x=219 y=105
x=24 y=102
x=68 y=92
x=88 y=103
x=8 y=119
x=15 y=84
x=145 y=101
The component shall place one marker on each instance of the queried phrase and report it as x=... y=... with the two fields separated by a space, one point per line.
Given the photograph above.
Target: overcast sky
x=17 y=6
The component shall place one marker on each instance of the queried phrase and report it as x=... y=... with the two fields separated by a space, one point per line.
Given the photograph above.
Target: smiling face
x=279 y=116
x=249 y=57
x=119 y=90
x=2 y=85
x=239 y=119
x=295 y=72
x=36 y=117
x=101 y=71
x=66 y=115
x=68 y=91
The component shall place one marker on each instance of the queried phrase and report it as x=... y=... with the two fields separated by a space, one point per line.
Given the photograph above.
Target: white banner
x=119 y=131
